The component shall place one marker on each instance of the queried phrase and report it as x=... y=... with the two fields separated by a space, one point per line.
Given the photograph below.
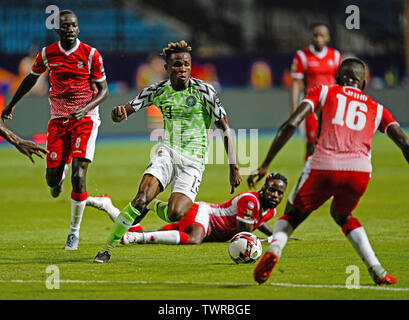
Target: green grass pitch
x=34 y=227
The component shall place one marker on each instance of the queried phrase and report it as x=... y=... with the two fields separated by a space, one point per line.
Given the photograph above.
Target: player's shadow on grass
x=42 y=260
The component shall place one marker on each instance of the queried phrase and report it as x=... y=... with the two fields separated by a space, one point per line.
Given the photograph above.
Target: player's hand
x=7 y=113
x=118 y=114
x=29 y=148
x=235 y=177
x=78 y=114
x=259 y=173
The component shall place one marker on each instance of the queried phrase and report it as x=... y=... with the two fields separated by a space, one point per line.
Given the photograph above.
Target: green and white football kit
x=180 y=158
x=187 y=116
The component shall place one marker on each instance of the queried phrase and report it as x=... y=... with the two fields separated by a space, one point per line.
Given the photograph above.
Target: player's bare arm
x=230 y=147
x=120 y=113
x=26 y=147
x=285 y=132
x=241 y=226
x=25 y=86
x=297 y=87
x=102 y=94
x=397 y=135
x=266 y=229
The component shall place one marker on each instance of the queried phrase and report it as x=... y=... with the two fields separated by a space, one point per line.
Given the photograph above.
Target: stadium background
x=243 y=47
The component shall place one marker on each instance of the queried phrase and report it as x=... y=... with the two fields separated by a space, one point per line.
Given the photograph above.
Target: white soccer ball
x=245 y=247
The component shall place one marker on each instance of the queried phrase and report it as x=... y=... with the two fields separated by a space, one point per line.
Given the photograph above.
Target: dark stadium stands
x=102 y=25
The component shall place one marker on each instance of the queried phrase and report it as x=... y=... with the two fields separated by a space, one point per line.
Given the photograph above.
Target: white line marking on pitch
x=276 y=284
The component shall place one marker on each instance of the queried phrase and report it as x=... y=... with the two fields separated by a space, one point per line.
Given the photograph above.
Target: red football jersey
x=244 y=207
x=348 y=119
x=316 y=67
x=71 y=76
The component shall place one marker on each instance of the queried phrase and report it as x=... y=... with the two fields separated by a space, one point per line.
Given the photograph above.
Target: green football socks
x=121 y=226
x=160 y=208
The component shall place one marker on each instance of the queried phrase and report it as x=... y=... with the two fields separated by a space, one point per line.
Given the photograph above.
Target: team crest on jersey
x=53 y=155
x=80 y=64
x=330 y=62
x=191 y=101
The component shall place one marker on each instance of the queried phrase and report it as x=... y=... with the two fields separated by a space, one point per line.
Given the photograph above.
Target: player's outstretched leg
x=164 y=237
x=132 y=214
x=104 y=203
x=356 y=235
x=282 y=231
x=121 y=225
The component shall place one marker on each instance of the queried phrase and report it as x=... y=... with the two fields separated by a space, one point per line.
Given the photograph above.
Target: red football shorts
x=68 y=138
x=317 y=186
x=193 y=217
x=311 y=127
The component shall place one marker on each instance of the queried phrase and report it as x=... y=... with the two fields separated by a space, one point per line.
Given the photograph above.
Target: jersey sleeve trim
x=323 y=95
x=43 y=55
x=91 y=55
x=303 y=59
x=310 y=102
x=101 y=79
x=337 y=57
x=378 y=118
x=35 y=73
x=395 y=122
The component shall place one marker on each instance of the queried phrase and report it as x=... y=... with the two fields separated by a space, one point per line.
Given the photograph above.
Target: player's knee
x=175 y=216
x=52 y=179
x=350 y=224
x=140 y=202
x=177 y=209
x=175 y=212
x=340 y=219
x=294 y=216
x=78 y=180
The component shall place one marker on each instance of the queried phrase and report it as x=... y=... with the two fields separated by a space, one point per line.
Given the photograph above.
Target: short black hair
x=175 y=47
x=318 y=24
x=65 y=12
x=353 y=62
x=277 y=176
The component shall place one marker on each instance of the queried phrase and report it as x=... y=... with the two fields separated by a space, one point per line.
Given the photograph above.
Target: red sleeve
x=313 y=96
x=38 y=66
x=338 y=63
x=97 y=67
x=386 y=120
x=297 y=69
x=247 y=209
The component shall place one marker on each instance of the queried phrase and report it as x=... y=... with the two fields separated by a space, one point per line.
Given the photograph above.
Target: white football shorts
x=168 y=165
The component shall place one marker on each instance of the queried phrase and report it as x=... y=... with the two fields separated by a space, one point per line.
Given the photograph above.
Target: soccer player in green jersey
x=189 y=106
